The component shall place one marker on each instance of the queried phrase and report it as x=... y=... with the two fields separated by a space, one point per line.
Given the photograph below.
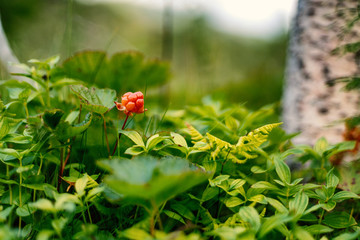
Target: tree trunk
x=6 y=54
x=311 y=104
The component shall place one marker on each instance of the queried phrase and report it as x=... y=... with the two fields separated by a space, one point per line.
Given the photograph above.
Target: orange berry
x=127 y=94
x=130 y=106
x=141 y=110
x=132 y=97
x=139 y=95
x=140 y=103
x=124 y=101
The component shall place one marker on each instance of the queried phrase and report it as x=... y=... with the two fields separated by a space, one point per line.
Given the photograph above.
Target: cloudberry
x=131 y=103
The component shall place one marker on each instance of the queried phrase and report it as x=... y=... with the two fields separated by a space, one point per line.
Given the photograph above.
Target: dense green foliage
x=210 y=171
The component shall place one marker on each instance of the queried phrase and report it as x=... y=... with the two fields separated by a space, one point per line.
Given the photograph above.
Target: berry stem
x=117 y=140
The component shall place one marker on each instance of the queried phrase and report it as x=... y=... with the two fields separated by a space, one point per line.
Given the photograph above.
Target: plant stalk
x=117 y=140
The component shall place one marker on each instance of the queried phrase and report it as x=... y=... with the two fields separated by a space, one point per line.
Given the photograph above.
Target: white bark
x=6 y=55
x=310 y=105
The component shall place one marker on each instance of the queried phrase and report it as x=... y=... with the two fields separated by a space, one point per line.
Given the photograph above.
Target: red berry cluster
x=131 y=103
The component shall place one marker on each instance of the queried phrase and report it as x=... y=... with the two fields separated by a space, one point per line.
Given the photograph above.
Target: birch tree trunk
x=310 y=103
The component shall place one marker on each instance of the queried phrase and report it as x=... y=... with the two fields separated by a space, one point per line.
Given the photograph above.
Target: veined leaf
x=65 y=131
x=178 y=139
x=251 y=216
x=339 y=220
x=134 y=136
x=95 y=100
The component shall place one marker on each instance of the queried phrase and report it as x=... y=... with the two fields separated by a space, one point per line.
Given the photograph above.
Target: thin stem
x=117 y=140
x=20 y=197
x=8 y=177
x=60 y=170
x=321 y=216
x=158 y=219
x=106 y=137
x=26 y=110
x=88 y=210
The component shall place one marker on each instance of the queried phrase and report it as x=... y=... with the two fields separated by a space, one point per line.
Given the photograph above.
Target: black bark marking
x=323 y=110
x=311 y=12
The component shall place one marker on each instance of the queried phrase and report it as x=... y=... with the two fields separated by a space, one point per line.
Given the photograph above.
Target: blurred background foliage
x=204 y=60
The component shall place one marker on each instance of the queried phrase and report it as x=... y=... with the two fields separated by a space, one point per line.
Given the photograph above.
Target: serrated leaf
x=65 y=131
x=52 y=118
x=95 y=100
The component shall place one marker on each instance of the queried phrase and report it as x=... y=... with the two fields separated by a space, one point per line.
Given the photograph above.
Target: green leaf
x=343 y=195
x=5 y=213
x=80 y=185
x=174 y=215
x=273 y=222
x=134 y=136
x=277 y=205
x=233 y=202
x=348 y=236
x=65 y=131
x=135 y=150
x=178 y=139
x=10 y=151
x=264 y=185
x=317 y=229
x=72 y=116
x=135 y=234
x=17 y=138
x=183 y=211
x=321 y=145
x=58 y=224
x=52 y=118
x=150 y=179
x=302 y=234
x=44 y=234
x=4 y=127
x=209 y=193
x=218 y=180
x=44 y=205
x=65 y=82
x=251 y=216
x=331 y=179
x=153 y=141
x=257 y=170
x=339 y=220
x=298 y=205
x=25 y=210
x=95 y=100
x=328 y=206
x=282 y=170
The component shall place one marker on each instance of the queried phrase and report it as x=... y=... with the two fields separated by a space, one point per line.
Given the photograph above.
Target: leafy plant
x=206 y=171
